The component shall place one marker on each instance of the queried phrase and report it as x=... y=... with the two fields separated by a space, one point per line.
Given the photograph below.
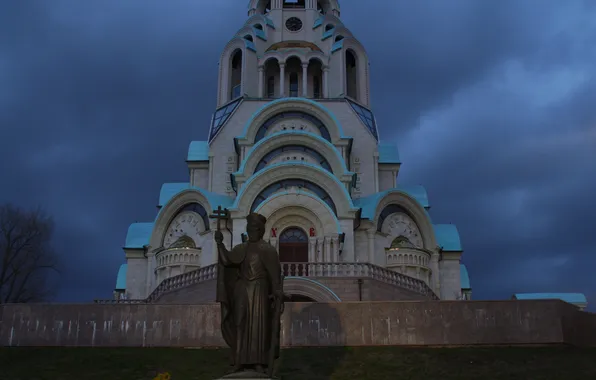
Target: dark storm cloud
x=494 y=100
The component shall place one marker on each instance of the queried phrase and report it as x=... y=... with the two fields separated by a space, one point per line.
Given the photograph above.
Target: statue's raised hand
x=218 y=237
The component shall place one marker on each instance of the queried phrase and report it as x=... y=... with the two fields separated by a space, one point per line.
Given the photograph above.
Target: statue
x=250 y=291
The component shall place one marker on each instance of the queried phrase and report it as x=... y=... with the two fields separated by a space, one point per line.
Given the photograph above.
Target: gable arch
x=302 y=105
x=414 y=209
x=308 y=206
x=172 y=208
x=294 y=170
x=285 y=138
x=225 y=62
x=291 y=216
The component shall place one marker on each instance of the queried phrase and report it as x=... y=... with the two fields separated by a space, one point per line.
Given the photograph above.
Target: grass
x=564 y=363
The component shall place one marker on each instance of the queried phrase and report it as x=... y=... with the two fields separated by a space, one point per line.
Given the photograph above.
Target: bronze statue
x=250 y=291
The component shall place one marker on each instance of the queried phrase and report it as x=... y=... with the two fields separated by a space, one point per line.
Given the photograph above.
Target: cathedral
x=294 y=139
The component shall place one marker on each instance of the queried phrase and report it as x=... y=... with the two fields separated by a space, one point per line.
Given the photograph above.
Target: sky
x=492 y=105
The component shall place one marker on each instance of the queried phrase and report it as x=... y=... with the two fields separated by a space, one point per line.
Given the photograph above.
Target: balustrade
x=325 y=269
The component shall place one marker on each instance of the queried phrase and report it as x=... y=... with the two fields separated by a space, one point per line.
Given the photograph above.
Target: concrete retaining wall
x=303 y=324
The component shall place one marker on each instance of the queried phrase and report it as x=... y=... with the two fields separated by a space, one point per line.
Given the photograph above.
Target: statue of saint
x=250 y=290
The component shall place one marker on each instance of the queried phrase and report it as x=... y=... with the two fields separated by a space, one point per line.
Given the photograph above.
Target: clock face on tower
x=184 y=231
x=293 y=24
x=400 y=224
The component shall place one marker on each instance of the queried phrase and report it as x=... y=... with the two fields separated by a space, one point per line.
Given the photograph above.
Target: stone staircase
x=310 y=270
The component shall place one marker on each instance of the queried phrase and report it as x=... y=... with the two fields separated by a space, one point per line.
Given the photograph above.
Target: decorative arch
x=262 y=131
x=293 y=215
x=310 y=288
x=311 y=209
x=270 y=190
x=287 y=149
x=396 y=201
x=185 y=200
x=294 y=170
x=293 y=137
x=235 y=44
x=285 y=105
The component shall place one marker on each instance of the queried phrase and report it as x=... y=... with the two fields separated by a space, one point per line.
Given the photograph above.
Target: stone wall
x=304 y=324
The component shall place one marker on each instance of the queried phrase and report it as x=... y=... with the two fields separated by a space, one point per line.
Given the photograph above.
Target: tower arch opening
x=248 y=37
x=294 y=73
x=315 y=78
x=296 y=4
x=235 y=90
x=271 y=77
x=351 y=75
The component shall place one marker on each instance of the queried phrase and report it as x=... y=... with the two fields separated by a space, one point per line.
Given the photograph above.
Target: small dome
x=294 y=45
x=401 y=242
x=184 y=241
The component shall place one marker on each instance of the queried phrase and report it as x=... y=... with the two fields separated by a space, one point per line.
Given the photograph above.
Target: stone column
x=312 y=253
x=305 y=79
x=371 y=246
x=325 y=81
x=327 y=256
x=320 y=243
x=335 y=250
x=261 y=80
x=282 y=80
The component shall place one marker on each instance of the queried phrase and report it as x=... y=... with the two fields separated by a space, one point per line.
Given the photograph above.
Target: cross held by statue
x=220 y=214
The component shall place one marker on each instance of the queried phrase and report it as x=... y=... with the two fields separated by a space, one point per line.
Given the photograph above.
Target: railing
x=183 y=280
x=360 y=270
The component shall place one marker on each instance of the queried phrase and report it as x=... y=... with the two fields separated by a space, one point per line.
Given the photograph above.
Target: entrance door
x=293 y=252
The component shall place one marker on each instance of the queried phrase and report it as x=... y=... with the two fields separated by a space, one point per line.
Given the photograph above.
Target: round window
x=293 y=24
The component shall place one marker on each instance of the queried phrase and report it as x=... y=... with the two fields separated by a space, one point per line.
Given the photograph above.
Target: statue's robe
x=248 y=276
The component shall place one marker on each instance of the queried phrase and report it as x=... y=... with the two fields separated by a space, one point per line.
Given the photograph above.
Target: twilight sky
x=492 y=103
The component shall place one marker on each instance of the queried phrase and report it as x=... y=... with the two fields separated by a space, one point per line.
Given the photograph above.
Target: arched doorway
x=293 y=252
x=300 y=298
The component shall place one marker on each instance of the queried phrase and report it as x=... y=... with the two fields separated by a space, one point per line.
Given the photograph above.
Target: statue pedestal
x=247 y=375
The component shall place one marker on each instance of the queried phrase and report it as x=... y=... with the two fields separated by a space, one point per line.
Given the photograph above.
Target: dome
x=184 y=241
x=401 y=242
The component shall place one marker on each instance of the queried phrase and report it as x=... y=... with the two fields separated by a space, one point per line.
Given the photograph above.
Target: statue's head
x=255 y=226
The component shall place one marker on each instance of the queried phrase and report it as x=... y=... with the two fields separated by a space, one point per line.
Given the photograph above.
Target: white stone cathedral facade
x=294 y=139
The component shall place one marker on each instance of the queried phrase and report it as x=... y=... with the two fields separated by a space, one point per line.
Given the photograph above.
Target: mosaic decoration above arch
x=293 y=148
x=388 y=210
x=292 y=115
x=300 y=183
x=197 y=208
x=293 y=235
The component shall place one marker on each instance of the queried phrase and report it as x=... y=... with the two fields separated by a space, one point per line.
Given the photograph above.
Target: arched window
x=271 y=87
x=293 y=235
x=248 y=37
x=294 y=84
x=339 y=38
x=236 y=75
x=316 y=82
x=351 y=75
x=328 y=27
x=258 y=26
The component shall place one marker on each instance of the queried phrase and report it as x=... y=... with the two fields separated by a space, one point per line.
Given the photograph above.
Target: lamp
x=342 y=239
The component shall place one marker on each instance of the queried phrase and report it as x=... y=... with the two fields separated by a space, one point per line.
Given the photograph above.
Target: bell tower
x=293 y=48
